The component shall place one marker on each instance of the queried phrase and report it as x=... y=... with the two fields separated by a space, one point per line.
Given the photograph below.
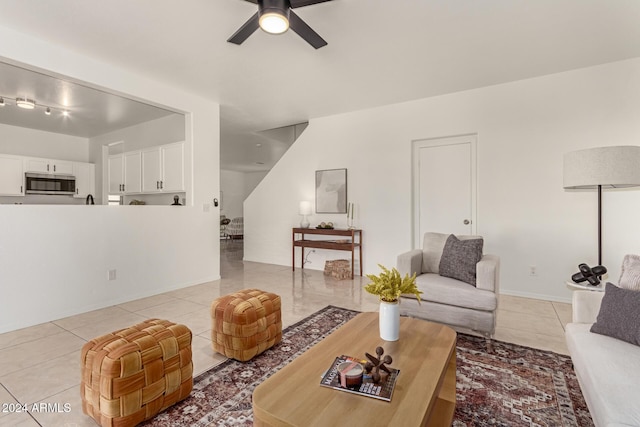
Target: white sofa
x=608 y=369
x=446 y=300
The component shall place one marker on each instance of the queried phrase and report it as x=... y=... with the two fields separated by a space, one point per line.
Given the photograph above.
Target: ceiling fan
x=276 y=17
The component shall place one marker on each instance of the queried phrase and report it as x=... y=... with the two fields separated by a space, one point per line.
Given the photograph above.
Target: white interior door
x=444 y=186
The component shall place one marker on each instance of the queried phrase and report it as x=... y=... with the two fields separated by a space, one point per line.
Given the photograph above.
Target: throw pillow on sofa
x=619 y=315
x=630 y=276
x=459 y=259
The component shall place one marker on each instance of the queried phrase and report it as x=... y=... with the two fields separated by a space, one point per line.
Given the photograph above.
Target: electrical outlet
x=111 y=274
x=533 y=270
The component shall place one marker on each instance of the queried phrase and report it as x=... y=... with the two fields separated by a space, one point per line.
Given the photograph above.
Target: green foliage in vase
x=389 y=285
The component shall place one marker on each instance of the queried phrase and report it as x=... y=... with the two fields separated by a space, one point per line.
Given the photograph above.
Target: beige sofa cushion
x=444 y=290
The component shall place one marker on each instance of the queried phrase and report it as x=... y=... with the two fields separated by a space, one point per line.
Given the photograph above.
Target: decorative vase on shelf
x=389 y=321
x=350 y=210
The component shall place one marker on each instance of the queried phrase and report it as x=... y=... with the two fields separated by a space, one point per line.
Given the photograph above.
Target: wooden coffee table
x=425 y=392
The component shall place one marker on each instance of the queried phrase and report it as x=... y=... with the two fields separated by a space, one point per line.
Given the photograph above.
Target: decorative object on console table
x=351 y=207
x=388 y=286
x=603 y=167
x=325 y=225
x=354 y=242
x=304 y=210
x=331 y=191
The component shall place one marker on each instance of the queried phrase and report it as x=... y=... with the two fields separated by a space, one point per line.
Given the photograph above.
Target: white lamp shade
x=305 y=208
x=612 y=167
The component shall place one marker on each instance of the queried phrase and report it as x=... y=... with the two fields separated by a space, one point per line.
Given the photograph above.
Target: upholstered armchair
x=468 y=297
x=235 y=229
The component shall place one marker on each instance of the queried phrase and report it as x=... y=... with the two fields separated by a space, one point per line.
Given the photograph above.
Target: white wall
x=36 y=143
x=232 y=184
x=54 y=259
x=236 y=187
x=164 y=130
x=524 y=214
x=251 y=181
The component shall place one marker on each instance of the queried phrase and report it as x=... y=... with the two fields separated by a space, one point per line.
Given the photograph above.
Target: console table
x=336 y=244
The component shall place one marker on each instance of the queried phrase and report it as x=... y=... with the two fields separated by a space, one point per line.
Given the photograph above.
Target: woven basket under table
x=245 y=323
x=130 y=375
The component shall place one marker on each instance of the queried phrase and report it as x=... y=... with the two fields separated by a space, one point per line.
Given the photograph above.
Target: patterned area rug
x=512 y=386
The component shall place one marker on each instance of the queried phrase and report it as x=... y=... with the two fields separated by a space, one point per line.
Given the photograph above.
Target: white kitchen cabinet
x=33 y=164
x=116 y=174
x=125 y=173
x=11 y=176
x=151 y=170
x=163 y=168
x=85 y=174
x=173 y=167
x=132 y=174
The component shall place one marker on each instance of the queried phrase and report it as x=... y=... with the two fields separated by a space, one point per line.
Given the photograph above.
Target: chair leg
x=489 y=342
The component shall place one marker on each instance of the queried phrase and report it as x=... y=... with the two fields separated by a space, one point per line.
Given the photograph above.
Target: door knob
x=466 y=222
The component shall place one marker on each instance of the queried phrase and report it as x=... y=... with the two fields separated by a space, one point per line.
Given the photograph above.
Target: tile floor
x=47 y=355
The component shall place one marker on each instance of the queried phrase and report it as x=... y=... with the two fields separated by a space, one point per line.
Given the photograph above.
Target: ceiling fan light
x=274 y=22
x=26 y=103
x=2 y=104
x=47 y=111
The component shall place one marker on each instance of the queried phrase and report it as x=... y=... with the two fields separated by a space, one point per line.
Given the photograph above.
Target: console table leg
x=352 y=263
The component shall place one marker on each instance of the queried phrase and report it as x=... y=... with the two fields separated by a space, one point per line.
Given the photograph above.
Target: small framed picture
x=331 y=191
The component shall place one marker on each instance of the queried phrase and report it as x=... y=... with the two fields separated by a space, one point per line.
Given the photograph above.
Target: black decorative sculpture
x=377 y=363
x=588 y=274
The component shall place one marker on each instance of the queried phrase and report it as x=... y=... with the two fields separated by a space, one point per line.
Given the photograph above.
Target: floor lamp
x=601 y=168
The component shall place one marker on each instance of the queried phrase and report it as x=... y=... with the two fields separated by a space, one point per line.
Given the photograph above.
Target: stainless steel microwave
x=44 y=183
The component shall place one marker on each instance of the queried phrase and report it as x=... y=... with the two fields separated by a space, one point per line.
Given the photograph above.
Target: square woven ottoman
x=130 y=375
x=245 y=323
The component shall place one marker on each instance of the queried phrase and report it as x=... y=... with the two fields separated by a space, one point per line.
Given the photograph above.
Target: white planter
x=389 y=321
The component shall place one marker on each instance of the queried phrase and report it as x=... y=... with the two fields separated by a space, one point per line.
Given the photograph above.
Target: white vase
x=389 y=321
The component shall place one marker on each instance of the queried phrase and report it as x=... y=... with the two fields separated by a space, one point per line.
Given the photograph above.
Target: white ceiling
x=379 y=52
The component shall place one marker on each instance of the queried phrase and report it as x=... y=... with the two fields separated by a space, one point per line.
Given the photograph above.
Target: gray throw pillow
x=619 y=315
x=459 y=259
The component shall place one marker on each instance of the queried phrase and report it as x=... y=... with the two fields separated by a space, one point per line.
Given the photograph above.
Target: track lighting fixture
x=30 y=104
x=27 y=104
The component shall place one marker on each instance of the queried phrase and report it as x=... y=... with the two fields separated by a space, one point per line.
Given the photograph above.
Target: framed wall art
x=331 y=191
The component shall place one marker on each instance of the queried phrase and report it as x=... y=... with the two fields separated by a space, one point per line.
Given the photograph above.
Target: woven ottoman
x=245 y=323
x=130 y=375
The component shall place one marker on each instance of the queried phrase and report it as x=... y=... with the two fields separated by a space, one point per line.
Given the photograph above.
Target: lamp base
x=305 y=222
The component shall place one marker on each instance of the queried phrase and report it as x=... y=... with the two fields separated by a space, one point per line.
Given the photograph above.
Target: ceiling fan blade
x=245 y=31
x=303 y=30
x=301 y=3
x=252 y=1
